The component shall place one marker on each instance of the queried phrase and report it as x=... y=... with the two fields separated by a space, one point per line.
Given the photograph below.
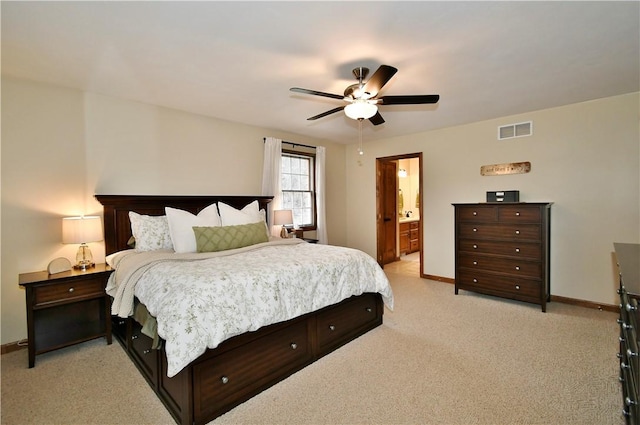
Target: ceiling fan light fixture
x=360 y=109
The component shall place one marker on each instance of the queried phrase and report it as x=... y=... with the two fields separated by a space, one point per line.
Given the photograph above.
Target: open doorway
x=399 y=203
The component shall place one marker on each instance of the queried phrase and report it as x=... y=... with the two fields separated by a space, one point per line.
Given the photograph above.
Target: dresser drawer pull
x=630 y=308
x=517 y=213
x=626 y=326
x=517 y=232
x=121 y=322
x=368 y=309
x=475 y=213
x=147 y=351
x=71 y=289
x=629 y=401
x=134 y=337
x=475 y=246
x=224 y=379
x=332 y=328
x=475 y=263
x=517 y=249
x=475 y=280
x=517 y=267
x=475 y=230
x=518 y=287
x=621 y=339
x=631 y=353
x=294 y=345
x=623 y=365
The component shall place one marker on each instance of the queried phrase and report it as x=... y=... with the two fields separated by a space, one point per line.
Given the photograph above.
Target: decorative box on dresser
x=66 y=308
x=502 y=249
x=628 y=258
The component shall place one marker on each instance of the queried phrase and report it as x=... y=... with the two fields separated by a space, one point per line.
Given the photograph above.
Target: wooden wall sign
x=502 y=169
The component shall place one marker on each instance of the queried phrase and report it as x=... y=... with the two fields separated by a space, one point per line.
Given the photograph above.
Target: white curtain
x=321 y=232
x=271 y=176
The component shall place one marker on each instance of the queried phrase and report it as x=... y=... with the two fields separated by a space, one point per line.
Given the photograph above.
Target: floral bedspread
x=200 y=300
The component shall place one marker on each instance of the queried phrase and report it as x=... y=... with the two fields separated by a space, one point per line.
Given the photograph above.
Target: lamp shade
x=81 y=229
x=282 y=217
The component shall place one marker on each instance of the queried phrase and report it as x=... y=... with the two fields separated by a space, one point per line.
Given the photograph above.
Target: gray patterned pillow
x=222 y=238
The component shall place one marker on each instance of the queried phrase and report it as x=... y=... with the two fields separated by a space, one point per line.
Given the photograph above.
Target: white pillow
x=181 y=225
x=233 y=217
x=150 y=232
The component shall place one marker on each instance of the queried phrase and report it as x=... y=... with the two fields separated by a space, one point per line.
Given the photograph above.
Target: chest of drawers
x=628 y=258
x=503 y=250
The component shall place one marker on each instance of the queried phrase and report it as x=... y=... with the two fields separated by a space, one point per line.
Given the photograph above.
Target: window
x=298 y=188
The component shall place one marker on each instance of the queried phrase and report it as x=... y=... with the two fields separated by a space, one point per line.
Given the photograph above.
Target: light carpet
x=439 y=358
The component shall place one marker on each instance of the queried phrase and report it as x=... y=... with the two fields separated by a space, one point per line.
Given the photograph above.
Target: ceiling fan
x=361 y=98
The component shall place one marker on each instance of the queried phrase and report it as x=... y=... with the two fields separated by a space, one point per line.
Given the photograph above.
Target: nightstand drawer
x=68 y=291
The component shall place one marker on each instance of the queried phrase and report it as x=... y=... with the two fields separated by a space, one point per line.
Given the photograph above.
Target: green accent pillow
x=222 y=238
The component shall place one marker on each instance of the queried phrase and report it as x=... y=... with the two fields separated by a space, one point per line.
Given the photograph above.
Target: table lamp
x=82 y=230
x=283 y=217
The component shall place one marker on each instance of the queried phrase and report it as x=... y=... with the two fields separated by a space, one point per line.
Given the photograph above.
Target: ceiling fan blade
x=316 y=93
x=409 y=99
x=324 y=114
x=379 y=79
x=377 y=119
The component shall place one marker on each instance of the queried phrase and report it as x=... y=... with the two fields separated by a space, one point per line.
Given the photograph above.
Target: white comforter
x=200 y=300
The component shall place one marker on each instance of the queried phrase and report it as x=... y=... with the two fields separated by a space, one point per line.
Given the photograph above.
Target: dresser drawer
x=522 y=250
x=69 y=291
x=528 y=232
x=477 y=213
x=519 y=214
x=500 y=285
x=515 y=267
x=336 y=324
x=233 y=375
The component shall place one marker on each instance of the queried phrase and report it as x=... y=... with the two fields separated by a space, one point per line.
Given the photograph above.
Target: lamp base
x=84 y=258
x=283 y=233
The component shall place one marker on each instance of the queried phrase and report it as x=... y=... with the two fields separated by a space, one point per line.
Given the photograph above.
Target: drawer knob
x=224 y=379
x=621 y=339
x=294 y=345
x=332 y=328
x=71 y=289
x=629 y=401
x=517 y=232
x=517 y=213
x=475 y=246
x=623 y=365
x=517 y=249
x=627 y=326
x=475 y=230
x=629 y=307
x=517 y=267
x=134 y=337
x=368 y=309
x=475 y=263
x=147 y=351
x=475 y=213
x=121 y=322
x=475 y=280
x=631 y=353
x=518 y=287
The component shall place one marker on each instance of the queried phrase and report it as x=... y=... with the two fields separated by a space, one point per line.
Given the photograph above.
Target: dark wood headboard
x=117 y=227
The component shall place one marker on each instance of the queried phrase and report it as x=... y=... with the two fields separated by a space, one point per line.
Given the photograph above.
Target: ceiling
x=237 y=60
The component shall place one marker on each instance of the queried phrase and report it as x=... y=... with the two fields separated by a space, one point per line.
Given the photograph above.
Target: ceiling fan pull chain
x=360 y=151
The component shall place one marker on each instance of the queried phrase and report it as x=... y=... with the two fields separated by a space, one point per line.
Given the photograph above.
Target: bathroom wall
x=410 y=185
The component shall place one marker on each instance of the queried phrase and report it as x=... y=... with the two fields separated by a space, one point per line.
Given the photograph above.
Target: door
x=389 y=210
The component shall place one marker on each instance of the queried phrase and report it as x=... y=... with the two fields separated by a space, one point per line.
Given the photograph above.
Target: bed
x=243 y=365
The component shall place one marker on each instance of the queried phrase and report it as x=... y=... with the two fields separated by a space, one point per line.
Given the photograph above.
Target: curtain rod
x=264 y=139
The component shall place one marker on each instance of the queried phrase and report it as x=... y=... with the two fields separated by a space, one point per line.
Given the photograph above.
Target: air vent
x=511 y=131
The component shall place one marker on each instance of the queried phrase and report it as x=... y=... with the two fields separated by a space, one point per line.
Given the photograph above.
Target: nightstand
x=66 y=308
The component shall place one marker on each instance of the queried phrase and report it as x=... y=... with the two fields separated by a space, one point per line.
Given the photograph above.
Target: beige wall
x=61 y=146
x=584 y=157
